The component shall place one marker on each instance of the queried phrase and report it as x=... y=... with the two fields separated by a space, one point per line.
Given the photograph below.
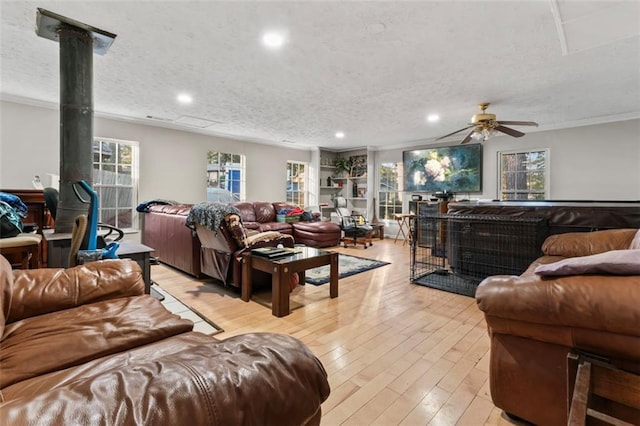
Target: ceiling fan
x=484 y=126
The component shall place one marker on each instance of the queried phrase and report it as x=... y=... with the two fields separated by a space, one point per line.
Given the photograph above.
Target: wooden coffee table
x=281 y=269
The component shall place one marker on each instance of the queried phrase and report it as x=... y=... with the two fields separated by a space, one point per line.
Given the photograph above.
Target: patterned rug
x=347 y=266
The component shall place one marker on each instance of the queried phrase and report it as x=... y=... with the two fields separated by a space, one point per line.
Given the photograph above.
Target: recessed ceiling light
x=339 y=135
x=184 y=98
x=273 y=40
x=433 y=118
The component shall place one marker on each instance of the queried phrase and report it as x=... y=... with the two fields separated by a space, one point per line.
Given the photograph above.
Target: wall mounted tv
x=454 y=168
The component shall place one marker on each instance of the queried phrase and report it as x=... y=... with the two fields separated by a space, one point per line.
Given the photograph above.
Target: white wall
x=590 y=162
x=597 y=162
x=172 y=163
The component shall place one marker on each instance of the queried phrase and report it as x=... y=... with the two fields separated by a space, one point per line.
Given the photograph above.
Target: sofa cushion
x=574 y=244
x=246 y=212
x=282 y=227
x=217 y=383
x=179 y=209
x=45 y=290
x=265 y=212
x=63 y=339
x=617 y=262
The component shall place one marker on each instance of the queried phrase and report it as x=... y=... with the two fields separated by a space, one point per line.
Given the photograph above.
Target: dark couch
x=86 y=346
x=164 y=230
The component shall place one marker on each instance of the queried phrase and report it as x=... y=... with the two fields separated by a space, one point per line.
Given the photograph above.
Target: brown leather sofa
x=86 y=346
x=163 y=229
x=535 y=321
x=261 y=216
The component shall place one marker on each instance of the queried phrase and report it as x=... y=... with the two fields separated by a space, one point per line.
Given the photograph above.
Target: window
x=225 y=177
x=390 y=195
x=296 y=183
x=524 y=175
x=115 y=179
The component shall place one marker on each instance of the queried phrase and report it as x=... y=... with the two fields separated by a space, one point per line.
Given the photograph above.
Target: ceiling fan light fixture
x=483 y=134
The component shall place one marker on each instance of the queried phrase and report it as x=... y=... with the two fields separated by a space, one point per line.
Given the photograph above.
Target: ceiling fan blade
x=508 y=131
x=457 y=131
x=520 y=123
x=467 y=138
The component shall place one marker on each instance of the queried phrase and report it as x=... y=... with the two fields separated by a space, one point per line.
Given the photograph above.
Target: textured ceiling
x=371 y=69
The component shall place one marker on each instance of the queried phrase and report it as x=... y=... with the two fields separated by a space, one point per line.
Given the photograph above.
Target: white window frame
x=99 y=187
x=547 y=163
x=398 y=191
x=304 y=193
x=241 y=166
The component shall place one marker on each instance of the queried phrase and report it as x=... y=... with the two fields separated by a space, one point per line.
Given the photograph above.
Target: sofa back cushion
x=178 y=209
x=574 y=244
x=265 y=212
x=246 y=211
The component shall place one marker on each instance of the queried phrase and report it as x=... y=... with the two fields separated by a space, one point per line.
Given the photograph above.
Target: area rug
x=347 y=266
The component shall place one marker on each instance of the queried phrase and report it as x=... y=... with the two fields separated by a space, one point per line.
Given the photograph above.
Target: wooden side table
x=404 y=227
x=378 y=229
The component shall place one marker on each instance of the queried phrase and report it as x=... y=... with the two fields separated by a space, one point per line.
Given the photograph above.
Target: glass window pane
x=109 y=198
x=523 y=175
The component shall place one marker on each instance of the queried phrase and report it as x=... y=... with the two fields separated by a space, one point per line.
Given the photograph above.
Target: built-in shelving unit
x=353 y=186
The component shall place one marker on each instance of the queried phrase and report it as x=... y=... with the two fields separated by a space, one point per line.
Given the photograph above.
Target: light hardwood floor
x=395 y=353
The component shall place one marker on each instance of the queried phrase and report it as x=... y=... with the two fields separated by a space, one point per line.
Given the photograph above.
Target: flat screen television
x=452 y=168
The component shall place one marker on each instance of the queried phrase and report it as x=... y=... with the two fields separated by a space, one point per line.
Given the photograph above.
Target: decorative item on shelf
x=355 y=190
x=328 y=180
x=343 y=166
x=358 y=166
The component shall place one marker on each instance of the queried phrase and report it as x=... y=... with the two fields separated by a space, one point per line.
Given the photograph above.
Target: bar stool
x=25 y=247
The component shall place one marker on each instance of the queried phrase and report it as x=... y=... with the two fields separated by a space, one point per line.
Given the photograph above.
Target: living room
x=366 y=337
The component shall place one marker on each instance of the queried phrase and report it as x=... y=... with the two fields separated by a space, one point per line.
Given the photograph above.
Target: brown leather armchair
x=85 y=346
x=534 y=321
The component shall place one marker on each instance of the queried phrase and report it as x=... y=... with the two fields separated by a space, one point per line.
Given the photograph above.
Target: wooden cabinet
x=36 y=213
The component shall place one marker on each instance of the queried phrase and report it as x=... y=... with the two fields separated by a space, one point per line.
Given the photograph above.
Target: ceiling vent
x=201 y=123
x=152 y=117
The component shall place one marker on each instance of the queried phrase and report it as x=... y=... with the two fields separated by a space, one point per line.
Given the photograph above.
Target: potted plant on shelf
x=343 y=165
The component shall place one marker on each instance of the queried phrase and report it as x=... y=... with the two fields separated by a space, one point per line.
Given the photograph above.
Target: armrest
x=40 y=291
x=575 y=244
x=606 y=303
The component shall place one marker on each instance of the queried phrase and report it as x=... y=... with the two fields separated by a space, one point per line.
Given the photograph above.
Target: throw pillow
x=616 y=262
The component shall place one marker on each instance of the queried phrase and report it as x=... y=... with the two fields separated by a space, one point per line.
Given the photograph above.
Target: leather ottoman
x=317 y=234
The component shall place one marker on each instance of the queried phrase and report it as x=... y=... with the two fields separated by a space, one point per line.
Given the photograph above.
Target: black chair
x=354 y=227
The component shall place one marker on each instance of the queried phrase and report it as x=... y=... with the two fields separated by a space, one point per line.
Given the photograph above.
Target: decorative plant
x=343 y=165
